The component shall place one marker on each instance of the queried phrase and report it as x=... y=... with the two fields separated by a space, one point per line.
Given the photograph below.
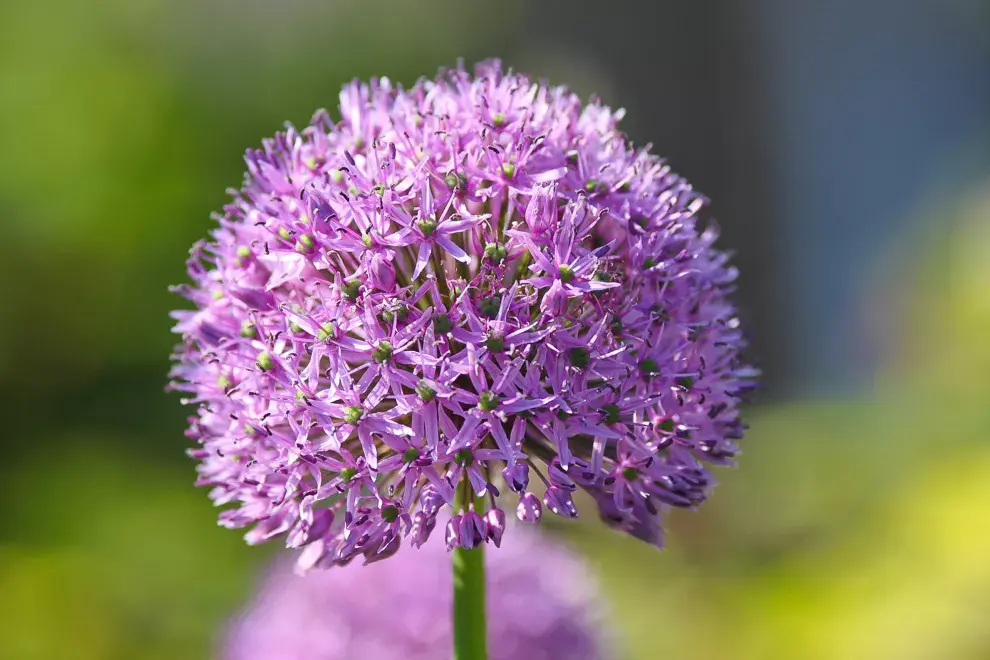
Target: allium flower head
x=540 y=606
x=474 y=283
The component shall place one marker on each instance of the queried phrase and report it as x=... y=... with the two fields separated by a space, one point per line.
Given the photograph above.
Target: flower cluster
x=541 y=605
x=469 y=285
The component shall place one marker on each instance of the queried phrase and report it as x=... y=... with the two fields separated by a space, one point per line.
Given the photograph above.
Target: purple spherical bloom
x=474 y=283
x=541 y=606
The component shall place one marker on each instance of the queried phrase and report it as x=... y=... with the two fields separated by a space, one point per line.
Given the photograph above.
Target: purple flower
x=474 y=283
x=541 y=605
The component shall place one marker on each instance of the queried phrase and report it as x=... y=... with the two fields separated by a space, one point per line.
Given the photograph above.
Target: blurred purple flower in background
x=541 y=606
x=459 y=285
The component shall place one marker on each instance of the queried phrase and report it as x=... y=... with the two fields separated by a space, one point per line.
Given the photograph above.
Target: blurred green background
x=857 y=525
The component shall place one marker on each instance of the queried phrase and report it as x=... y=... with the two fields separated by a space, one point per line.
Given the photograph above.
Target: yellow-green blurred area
x=857 y=526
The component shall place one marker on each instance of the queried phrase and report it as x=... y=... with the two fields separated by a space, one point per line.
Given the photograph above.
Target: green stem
x=469 y=599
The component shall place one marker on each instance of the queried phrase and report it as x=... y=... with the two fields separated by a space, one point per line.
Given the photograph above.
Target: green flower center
x=400 y=312
x=488 y=401
x=495 y=343
x=265 y=361
x=353 y=414
x=442 y=324
x=649 y=367
x=489 y=306
x=495 y=252
x=455 y=180
x=351 y=289
x=425 y=392
x=630 y=473
x=326 y=331
x=382 y=353
x=580 y=357
x=610 y=412
x=427 y=226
